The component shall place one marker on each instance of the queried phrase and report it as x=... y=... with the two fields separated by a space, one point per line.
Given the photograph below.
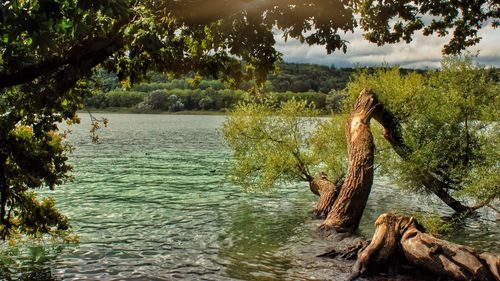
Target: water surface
x=150 y=202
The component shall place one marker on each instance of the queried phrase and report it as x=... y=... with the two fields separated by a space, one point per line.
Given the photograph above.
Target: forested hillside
x=322 y=85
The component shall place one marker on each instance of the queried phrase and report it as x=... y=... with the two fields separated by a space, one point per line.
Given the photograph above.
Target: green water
x=150 y=202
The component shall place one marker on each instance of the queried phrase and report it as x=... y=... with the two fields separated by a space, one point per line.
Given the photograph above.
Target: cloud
x=422 y=52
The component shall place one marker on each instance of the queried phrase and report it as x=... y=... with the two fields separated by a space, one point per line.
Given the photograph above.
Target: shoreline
x=126 y=110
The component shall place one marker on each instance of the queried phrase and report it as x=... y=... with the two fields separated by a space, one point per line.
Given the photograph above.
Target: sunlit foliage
x=285 y=142
x=450 y=123
x=48 y=48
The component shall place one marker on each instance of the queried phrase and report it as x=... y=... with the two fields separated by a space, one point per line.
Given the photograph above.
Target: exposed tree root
x=350 y=253
x=400 y=239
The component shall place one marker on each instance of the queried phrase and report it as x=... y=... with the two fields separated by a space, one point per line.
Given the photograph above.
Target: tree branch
x=4 y=195
x=78 y=54
x=393 y=134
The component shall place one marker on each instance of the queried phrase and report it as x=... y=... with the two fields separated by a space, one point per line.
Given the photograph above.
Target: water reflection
x=253 y=239
x=148 y=207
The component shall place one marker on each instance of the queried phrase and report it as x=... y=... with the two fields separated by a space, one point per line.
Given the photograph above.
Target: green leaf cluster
x=34 y=160
x=449 y=121
x=275 y=142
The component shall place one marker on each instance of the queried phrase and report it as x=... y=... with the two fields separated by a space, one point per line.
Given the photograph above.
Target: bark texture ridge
x=347 y=210
x=400 y=238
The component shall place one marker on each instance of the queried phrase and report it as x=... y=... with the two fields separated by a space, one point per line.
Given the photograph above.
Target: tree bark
x=327 y=192
x=348 y=208
x=394 y=136
x=401 y=239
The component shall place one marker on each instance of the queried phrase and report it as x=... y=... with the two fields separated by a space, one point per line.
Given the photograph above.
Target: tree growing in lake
x=48 y=48
x=275 y=143
x=444 y=142
x=444 y=131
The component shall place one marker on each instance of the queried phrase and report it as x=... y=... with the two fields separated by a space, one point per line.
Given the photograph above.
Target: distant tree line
x=321 y=85
x=316 y=84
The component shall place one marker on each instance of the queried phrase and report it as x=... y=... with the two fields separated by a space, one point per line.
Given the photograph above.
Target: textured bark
x=327 y=192
x=394 y=136
x=401 y=239
x=348 y=208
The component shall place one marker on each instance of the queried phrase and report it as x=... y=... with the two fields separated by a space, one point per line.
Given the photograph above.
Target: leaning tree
x=442 y=123
x=437 y=135
x=48 y=48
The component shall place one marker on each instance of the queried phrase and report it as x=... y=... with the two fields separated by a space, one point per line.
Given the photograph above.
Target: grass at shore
x=128 y=110
x=142 y=111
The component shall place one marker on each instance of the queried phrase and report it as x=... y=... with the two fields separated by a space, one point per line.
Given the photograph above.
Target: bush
x=449 y=123
x=206 y=103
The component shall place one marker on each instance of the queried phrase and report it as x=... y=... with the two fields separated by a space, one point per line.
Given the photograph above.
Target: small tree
x=449 y=126
x=277 y=143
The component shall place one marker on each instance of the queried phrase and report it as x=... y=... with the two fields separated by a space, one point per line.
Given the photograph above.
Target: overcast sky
x=422 y=52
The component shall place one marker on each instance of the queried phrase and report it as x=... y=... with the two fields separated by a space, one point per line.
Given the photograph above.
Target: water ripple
x=151 y=203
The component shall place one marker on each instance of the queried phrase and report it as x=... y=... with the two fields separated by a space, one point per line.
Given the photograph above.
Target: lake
x=151 y=202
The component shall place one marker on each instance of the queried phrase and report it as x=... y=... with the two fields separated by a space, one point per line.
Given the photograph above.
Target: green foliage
x=296 y=77
x=267 y=142
x=388 y=22
x=201 y=93
x=35 y=160
x=49 y=49
x=449 y=121
x=328 y=143
x=282 y=142
x=434 y=224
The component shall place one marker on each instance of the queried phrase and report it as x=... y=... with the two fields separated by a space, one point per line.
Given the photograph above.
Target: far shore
x=127 y=110
x=141 y=111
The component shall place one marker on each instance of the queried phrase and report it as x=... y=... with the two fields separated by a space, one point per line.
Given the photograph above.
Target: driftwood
x=400 y=239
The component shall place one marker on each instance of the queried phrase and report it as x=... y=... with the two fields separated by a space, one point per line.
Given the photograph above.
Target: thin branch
x=493 y=208
x=486 y=202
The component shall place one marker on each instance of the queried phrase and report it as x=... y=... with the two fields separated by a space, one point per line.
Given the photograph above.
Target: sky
x=423 y=52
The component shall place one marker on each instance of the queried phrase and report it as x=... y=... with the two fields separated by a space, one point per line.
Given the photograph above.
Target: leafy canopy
x=449 y=122
x=49 y=47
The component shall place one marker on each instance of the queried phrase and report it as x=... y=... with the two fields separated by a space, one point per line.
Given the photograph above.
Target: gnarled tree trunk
x=401 y=238
x=327 y=192
x=397 y=239
x=394 y=136
x=348 y=208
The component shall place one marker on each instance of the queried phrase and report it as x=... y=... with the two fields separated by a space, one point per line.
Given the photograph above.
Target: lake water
x=150 y=202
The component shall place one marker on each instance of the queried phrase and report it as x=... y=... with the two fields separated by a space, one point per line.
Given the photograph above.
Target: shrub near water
x=449 y=121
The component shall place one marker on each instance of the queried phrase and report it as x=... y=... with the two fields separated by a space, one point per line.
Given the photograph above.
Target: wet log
x=347 y=210
x=400 y=239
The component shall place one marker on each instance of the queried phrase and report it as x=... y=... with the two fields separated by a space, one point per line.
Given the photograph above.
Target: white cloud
x=422 y=52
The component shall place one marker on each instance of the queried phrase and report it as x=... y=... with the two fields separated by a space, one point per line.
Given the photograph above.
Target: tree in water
x=278 y=143
x=433 y=149
x=49 y=48
x=399 y=239
x=443 y=131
